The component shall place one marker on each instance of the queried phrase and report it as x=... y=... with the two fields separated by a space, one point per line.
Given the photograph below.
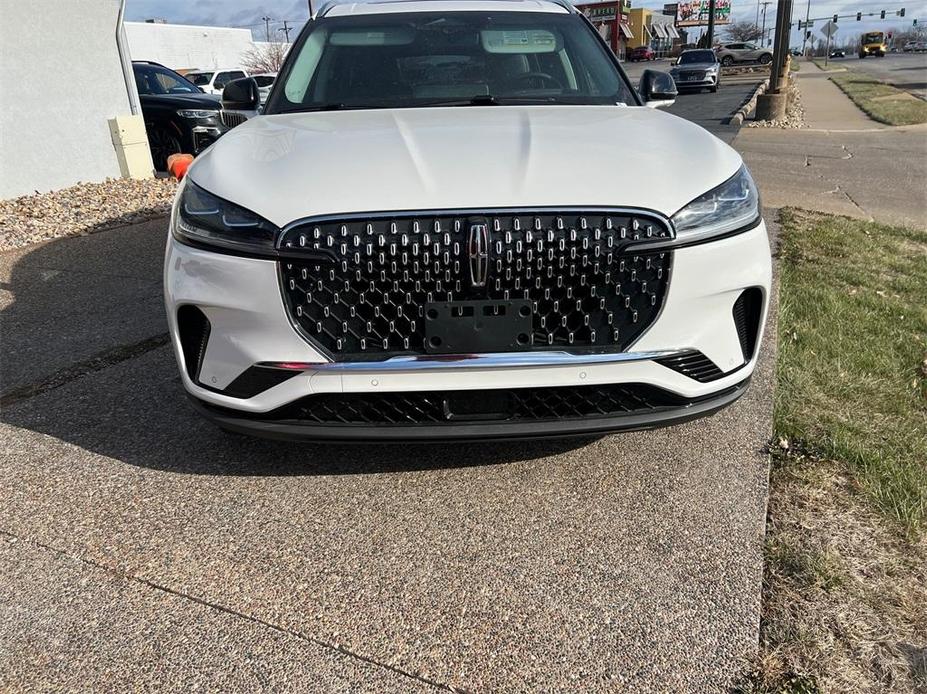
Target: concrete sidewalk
x=843 y=162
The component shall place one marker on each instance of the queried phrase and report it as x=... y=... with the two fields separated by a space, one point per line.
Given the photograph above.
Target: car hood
x=694 y=66
x=288 y=166
x=182 y=100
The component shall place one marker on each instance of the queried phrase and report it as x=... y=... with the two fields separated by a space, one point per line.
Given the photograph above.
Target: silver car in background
x=731 y=53
x=697 y=69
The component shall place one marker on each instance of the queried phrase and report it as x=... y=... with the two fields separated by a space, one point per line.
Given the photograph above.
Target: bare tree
x=265 y=57
x=743 y=31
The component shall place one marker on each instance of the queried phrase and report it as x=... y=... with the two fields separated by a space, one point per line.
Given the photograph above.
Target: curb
x=737 y=118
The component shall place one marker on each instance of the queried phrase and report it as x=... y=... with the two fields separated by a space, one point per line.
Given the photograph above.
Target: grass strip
x=852 y=361
x=846 y=543
x=881 y=102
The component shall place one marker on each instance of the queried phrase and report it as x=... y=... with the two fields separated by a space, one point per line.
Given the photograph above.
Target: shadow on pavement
x=85 y=361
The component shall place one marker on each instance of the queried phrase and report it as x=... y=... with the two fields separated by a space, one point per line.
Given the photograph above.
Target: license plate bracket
x=469 y=327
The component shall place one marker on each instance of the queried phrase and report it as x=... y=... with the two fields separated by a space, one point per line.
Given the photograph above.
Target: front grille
x=692 y=75
x=232 y=118
x=367 y=298
x=437 y=407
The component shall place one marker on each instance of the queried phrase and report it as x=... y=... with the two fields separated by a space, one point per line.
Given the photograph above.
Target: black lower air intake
x=747 y=311
x=193 y=326
x=693 y=364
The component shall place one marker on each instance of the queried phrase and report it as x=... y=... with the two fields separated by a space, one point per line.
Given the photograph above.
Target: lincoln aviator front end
x=458 y=220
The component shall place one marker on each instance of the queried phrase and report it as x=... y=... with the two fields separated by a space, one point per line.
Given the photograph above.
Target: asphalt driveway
x=142 y=549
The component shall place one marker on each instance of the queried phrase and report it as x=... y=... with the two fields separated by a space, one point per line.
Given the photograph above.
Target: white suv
x=457 y=219
x=214 y=81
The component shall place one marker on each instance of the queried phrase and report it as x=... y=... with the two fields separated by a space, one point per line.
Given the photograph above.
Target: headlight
x=201 y=219
x=731 y=206
x=198 y=114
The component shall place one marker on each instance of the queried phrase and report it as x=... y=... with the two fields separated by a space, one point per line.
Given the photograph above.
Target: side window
x=236 y=75
x=221 y=80
x=749 y=46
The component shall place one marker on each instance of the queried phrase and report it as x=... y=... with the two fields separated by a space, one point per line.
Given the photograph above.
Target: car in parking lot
x=697 y=69
x=214 y=81
x=731 y=53
x=400 y=249
x=915 y=47
x=641 y=53
x=265 y=80
x=179 y=117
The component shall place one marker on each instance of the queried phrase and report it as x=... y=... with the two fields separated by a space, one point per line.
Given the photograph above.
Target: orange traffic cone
x=177 y=164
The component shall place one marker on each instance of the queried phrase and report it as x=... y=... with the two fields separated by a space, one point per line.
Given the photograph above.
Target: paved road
x=903 y=70
x=707 y=109
x=140 y=548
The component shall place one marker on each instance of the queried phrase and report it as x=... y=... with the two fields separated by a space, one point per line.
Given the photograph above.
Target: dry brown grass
x=844 y=594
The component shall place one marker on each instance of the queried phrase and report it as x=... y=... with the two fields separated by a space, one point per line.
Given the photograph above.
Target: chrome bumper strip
x=503 y=360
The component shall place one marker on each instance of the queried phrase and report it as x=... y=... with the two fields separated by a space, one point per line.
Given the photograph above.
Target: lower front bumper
x=288 y=429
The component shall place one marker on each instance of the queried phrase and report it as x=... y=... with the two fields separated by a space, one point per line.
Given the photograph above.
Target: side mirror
x=657 y=89
x=241 y=95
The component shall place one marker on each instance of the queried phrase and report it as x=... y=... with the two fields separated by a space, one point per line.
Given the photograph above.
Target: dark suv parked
x=179 y=117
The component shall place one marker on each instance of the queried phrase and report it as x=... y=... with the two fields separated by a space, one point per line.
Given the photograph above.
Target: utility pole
x=711 y=24
x=804 y=33
x=310 y=9
x=763 y=41
x=267 y=21
x=285 y=30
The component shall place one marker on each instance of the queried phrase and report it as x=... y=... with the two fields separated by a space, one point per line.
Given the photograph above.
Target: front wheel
x=714 y=90
x=163 y=144
x=727 y=61
x=765 y=59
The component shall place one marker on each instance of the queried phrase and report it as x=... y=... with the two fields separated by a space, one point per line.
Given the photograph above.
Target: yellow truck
x=872 y=43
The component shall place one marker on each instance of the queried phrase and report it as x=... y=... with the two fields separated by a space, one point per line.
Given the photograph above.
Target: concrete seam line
x=97 y=362
x=228 y=610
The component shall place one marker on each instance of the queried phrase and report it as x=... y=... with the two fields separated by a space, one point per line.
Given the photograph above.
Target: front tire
x=727 y=61
x=163 y=144
x=765 y=59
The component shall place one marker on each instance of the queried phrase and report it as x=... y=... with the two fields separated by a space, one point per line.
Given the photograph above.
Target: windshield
x=200 y=78
x=454 y=58
x=152 y=79
x=697 y=57
x=875 y=37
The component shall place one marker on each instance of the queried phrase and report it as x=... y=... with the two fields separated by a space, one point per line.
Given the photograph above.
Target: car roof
x=212 y=70
x=341 y=9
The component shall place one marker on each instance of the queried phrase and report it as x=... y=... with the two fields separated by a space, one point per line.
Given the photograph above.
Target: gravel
x=82 y=209
x=794 y=115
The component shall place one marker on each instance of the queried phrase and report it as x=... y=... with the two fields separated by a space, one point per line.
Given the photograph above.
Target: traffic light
x=859 y=16
x=836 y=17
x=901 y=12
x=883 y=14
x=808 y=33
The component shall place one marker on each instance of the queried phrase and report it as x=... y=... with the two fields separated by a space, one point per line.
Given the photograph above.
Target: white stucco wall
x=59 y=86
x=186 y=47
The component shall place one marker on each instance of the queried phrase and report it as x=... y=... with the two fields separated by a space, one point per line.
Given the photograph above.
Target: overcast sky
x=248 y=13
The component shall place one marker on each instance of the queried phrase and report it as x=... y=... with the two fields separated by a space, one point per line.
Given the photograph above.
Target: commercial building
x=611 y=21
x=187 y=47
x=650 y=28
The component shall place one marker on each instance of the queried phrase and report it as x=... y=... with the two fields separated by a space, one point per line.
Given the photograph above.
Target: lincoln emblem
x=478 y=251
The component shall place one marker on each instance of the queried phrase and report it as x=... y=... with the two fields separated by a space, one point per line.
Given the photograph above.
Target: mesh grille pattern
x=368 y=300
x=523 y=404
x=230 y=118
